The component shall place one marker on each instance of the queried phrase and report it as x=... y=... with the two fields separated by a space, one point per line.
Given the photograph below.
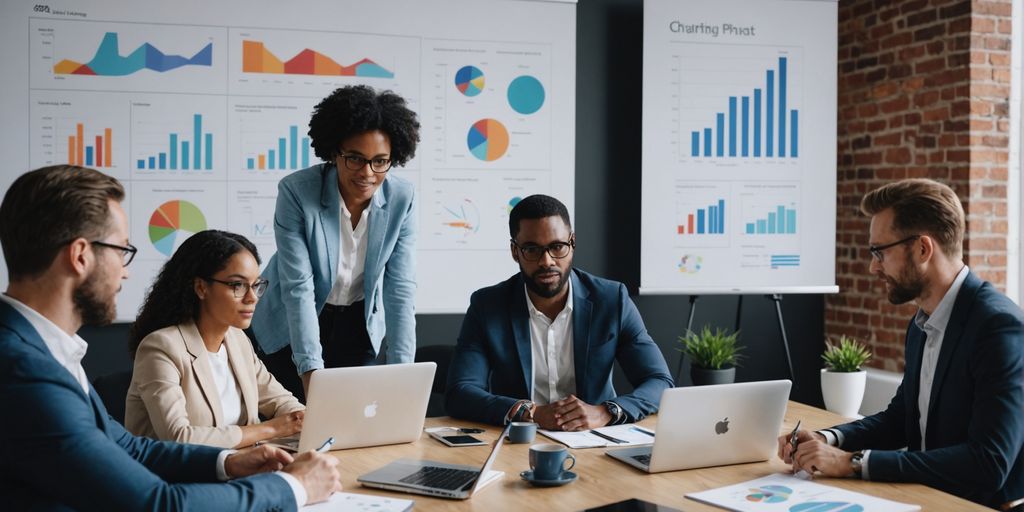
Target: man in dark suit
x=540 y=346
x=960 y=408
x=65 y=242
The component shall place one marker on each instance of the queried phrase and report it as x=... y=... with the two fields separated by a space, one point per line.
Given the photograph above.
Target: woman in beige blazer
x=197 y=379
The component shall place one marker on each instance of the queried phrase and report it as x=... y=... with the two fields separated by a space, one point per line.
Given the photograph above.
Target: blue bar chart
x=289 y=153
x=183 y=153
x=703 y=221
x=761 y=124
x=781 y=221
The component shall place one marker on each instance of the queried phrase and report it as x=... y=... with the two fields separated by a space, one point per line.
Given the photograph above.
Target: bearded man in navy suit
x=959 y=411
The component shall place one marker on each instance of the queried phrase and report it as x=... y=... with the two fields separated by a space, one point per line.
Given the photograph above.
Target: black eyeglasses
x=240 y=288
x=127 y=252
x=876 y=250
x=356 y=163
x=557 y=250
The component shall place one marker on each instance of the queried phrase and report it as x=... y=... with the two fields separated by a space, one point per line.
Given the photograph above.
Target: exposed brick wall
x=924 y=91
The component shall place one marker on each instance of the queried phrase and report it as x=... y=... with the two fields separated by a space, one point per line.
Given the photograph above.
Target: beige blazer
x=173 y=395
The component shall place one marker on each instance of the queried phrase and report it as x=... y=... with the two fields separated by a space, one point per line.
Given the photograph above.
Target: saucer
x=567 y=477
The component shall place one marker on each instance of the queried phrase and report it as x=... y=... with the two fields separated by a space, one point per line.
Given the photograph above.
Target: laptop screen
x=482 y=477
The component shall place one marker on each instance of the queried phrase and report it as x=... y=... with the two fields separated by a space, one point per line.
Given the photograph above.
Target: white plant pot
x=843 y=391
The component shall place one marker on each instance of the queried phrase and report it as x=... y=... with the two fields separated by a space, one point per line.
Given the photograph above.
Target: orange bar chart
x=97 y=155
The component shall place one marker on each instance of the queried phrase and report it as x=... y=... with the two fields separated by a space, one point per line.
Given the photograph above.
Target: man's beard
x=542 y=290
x=91 y=305
x=907 y=286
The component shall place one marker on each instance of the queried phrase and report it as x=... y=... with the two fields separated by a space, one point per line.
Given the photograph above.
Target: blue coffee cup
x=522 y=432
x=548 y=460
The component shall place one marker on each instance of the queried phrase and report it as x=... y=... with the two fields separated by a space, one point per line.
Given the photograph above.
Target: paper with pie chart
x=787 y=493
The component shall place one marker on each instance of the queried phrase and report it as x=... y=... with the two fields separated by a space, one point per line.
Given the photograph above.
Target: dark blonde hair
x=48 y=208
x=921 y=206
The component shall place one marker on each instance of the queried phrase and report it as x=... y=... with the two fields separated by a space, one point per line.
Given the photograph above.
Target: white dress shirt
x=69 y=351
x=934 y=327
x=348 y=285
x=554 y=371
x=227 y=387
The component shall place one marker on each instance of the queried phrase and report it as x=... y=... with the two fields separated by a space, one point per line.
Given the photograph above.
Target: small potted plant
x=842 y=379
x=713 y=355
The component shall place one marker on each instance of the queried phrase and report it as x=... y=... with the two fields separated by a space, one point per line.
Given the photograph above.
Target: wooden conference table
x=603 y=480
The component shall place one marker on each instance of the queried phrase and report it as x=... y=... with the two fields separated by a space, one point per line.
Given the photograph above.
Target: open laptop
x=702 y=426
x=364 y=406
x=435 y=478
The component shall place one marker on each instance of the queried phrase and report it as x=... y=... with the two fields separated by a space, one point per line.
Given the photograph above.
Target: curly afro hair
x=356 y=109
x=172 y=298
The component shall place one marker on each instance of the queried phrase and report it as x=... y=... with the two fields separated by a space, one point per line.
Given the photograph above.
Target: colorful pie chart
x=172 y=223
x=526 y=94
x=769 y=494
x=469 y=80
x=487 y=140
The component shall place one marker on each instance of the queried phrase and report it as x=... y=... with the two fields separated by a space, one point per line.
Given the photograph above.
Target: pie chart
x=469 y=80
x=769 y=493
x=487 y=139
x=172 y=223
x=526 y=94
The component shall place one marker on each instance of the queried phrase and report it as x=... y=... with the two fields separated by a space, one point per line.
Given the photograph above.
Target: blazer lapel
x=954 y=331
x=330 y=218
x=581 y=313
x=375 y=232
x=20 y=325
x=201 y=368
x=245 y=374
x=520 y=317
x=912 y=384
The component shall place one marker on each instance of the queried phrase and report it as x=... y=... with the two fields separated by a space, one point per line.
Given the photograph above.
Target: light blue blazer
x=301 y=274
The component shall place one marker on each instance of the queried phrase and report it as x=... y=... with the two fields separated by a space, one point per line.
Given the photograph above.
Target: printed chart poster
x=738 y=144
x=80 y=128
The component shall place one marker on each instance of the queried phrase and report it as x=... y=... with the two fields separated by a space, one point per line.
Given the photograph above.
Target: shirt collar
x=940 y=317
x=568 y=302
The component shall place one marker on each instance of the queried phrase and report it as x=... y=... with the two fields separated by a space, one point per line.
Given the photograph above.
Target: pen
x=326 y=446
x=642 y=431
x=792 y=439
x=608 y=437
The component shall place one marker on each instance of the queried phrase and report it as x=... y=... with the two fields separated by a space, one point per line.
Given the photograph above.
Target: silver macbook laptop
x=435 y=478
x=702 y=426
x=364 y=406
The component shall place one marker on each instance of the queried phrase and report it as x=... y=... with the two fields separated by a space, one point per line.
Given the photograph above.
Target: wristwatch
x=856 y=462
x=615 y=410
x=519 y=411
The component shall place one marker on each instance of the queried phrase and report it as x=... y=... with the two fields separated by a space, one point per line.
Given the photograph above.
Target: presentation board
x=739 y=147
x=199 y=108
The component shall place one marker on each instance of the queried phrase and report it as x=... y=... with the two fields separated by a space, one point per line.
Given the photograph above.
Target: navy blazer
x=62 y=451
x=975 y=430
x=492 y=366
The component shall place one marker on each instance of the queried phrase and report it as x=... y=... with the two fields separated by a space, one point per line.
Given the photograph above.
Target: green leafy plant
x=846 y=356
x=713 y=350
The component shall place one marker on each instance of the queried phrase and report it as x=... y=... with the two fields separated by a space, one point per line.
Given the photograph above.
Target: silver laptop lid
x=482 y=477
x=367 y=405
x=701 y=426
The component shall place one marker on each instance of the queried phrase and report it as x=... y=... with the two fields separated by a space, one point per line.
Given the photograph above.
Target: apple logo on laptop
x=722 y=426
x=370 y=410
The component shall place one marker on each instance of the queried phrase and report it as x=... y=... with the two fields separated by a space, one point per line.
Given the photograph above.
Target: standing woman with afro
x=345 y=270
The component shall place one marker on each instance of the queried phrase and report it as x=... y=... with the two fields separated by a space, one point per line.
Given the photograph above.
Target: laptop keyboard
x=441 y=478
x=644 y=459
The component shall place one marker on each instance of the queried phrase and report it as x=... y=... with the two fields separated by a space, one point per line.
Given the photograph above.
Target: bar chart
x=183 y=153
x=756 y=125
x=91 y=150
x=289 y=154
x=703 y=221
x=781 y=221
